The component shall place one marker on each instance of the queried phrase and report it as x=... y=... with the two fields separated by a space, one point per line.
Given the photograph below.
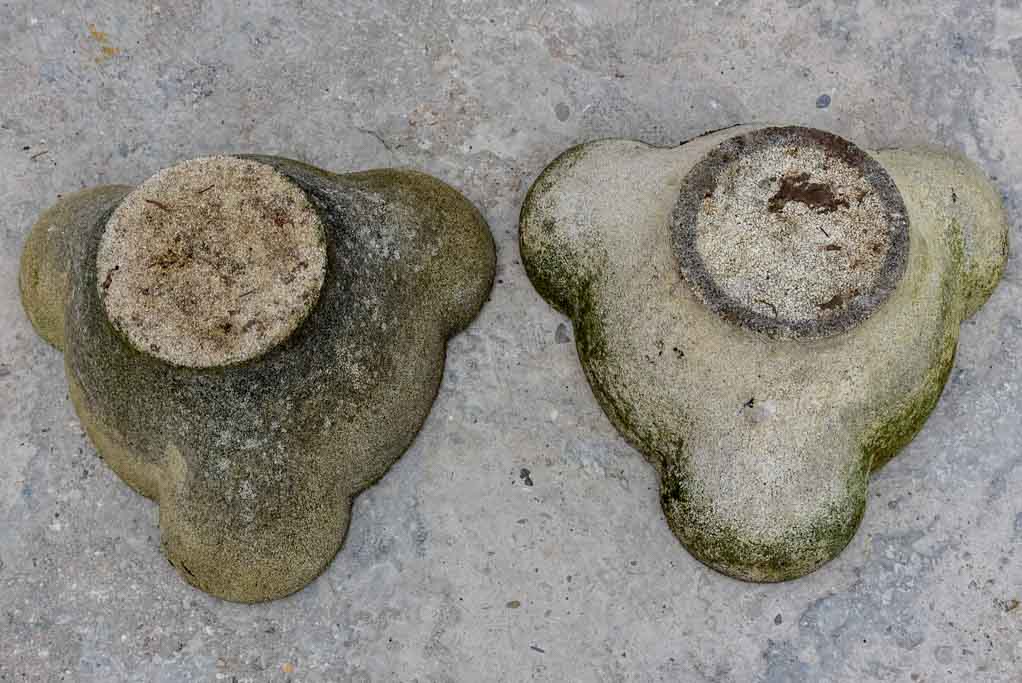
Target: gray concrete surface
x=460 y=565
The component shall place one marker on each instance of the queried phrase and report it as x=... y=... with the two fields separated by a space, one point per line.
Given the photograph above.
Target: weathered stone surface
x=251 y=341
x=768 y=314
x=211 y=262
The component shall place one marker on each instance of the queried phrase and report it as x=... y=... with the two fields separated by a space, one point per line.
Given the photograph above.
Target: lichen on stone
x=768 y=314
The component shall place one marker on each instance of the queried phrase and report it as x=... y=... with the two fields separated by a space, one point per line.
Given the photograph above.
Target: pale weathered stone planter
x=768 y=314
x=251 y=341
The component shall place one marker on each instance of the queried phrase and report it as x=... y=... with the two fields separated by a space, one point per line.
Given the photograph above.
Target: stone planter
x=251 y=341
x=768 y=314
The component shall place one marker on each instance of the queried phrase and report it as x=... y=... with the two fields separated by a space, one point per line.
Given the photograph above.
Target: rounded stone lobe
x=791 y=231
x=211 y=262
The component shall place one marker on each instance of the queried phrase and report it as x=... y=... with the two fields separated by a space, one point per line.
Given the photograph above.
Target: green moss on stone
x=552 y=274
x=733 y=551
x=46 y=259
x=899 y=426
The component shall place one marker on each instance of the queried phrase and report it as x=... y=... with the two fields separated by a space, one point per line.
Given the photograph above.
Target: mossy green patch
x=898 y=427
x=731 y=550
x=46 y=259
x=551 y=273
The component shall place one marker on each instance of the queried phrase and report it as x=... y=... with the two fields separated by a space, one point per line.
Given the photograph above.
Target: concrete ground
x=520 y=539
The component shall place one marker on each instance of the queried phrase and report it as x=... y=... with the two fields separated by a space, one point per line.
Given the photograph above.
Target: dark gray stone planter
x=251 y=341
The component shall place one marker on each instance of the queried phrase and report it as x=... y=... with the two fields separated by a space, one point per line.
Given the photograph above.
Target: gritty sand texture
x=210 y=262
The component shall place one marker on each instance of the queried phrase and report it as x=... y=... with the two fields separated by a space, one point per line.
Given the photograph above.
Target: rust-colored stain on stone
x=817 y=196
x=106 y=49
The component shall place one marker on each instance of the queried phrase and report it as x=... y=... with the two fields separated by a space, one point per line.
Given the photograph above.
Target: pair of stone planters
x=766 y=313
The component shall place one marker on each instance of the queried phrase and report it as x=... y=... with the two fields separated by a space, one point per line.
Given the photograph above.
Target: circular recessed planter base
x=791 y=231
x=211 y=262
